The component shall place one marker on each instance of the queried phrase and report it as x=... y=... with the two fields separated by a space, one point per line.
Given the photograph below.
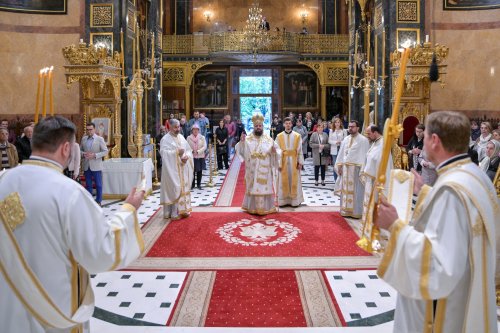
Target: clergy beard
x=257 y=132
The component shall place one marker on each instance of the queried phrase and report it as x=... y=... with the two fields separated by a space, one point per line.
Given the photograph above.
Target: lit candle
x=37 y=108
x=153 y=57
x=51 y=93
x=427 y=38
x=122 y=55
x=44 y=106
x=383 y=52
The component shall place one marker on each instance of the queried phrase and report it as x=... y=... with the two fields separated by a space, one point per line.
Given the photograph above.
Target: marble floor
x=144 y=297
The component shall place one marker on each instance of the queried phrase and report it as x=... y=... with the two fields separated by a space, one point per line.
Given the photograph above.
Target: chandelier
x=255 y=35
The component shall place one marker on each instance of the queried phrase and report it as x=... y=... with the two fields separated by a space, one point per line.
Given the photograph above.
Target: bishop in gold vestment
x=261 y=156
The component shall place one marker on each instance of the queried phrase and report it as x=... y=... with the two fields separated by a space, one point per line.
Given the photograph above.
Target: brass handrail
x=234 y=41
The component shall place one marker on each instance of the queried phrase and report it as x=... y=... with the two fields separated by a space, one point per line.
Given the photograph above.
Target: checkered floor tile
x=144 y=296
x=362 y=295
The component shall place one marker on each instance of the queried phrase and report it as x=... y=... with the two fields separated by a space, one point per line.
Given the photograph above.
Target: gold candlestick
x=44 y=104
x=210 y=165
x=216 y=170
x=156 y=182
x=37 y=106
x=51 y=93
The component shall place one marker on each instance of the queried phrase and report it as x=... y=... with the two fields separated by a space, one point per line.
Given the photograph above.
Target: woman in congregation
x=198 y=144
x=483 y=139
x=489 y=163
x=335 y=137
x=320 y=152
x=221 y=146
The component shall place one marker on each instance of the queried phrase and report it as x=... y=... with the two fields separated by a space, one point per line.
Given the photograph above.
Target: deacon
x=443 y=262
x=369 y=171
x=262 y=156
x=176 y=173
x=350 y=158
x=51 y=232
x=292 y=159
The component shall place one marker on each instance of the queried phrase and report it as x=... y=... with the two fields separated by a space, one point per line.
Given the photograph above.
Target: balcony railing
x=204 y=44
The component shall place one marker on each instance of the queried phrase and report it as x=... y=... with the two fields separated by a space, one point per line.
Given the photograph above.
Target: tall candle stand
x=210 y=166
x=215 y=172
x=156 y=182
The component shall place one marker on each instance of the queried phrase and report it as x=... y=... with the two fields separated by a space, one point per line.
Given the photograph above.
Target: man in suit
x=93 y=149
x=23 y=144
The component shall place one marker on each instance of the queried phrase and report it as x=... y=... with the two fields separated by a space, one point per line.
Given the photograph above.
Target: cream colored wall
x=279 y=13
x=473 y=79
x=27 y=44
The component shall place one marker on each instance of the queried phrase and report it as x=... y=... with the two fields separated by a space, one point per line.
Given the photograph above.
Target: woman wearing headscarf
x=489 y=163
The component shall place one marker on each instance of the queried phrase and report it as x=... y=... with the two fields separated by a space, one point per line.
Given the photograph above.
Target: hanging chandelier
x=255 y=35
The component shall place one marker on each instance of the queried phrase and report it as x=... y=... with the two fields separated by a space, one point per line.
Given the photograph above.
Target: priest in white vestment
x=292 y=160
x=176 y=173
x=443 y=263
x=262 y=157
x=369 y=173
x=350 y=158
x=51 y=233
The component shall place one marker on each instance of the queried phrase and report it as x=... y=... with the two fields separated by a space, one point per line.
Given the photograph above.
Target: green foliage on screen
x=256 y=85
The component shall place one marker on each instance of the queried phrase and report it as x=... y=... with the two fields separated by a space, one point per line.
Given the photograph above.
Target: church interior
x=129 y=66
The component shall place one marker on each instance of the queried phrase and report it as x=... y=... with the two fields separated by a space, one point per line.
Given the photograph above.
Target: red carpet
x=255 y=299
x=243 y=235
x=239 y=191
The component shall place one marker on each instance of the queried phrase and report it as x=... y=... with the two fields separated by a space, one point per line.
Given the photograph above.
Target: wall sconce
x=303 y=16
x=207 y=14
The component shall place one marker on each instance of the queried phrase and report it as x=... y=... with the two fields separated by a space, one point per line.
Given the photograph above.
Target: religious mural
x=210 y=90
x=470 y=4
x=300 y=89
x=35 y=6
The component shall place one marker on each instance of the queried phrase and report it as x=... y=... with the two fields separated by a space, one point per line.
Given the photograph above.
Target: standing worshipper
x=93 y=149
x=198 y=145
x=176 y=173
x=8 y=152
x=309 y=124
x=483 y=140
x=350 y=158
x=23 y=144
x=320 y=152
x=261 y=156
x=292 y=160
x=299 y=128
x=221 y=145
x=443 y=262
x=57 y=234
x=429 y=174
x=415 y=146
x=335 y=137
x=489 y=164
x=73 y=169
x=369 y=171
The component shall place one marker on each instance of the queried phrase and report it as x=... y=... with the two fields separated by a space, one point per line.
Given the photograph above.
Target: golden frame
x=92 y=15
x=402 y=30
x=284 y=106
x=405 y=21
x=195 y=106
x=94 y=37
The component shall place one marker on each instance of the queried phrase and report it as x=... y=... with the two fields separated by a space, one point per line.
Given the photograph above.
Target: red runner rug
x=239 y=190
x=255 y=299
x=286 y=234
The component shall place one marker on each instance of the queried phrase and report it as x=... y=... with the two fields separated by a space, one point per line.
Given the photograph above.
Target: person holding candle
x=442 y=263
x=57 y=235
